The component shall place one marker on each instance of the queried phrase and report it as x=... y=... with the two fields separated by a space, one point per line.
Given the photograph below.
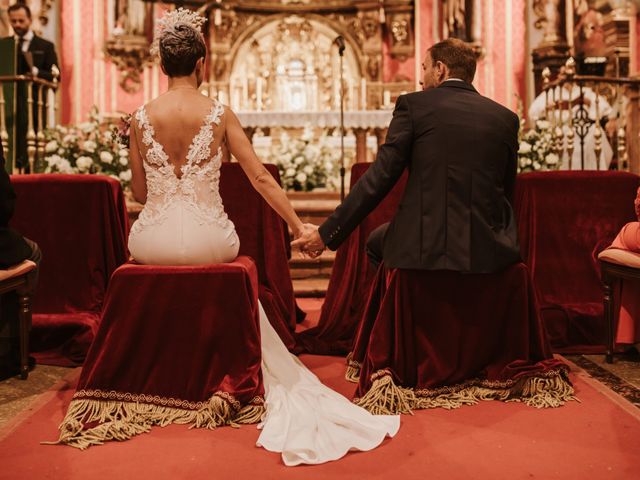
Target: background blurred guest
x=36 y=57
x=629 y=320
x=560 y=112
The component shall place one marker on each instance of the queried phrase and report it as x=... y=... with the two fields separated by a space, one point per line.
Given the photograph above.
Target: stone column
x=381 y=135
x=633 y=129
x=361 y=144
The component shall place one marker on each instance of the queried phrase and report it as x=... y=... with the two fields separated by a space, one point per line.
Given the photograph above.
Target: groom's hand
x=309 y=242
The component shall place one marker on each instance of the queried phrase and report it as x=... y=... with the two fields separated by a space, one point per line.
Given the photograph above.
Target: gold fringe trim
x=550 y=390
x=386 y=398
x=353 y=369
x=122 y=420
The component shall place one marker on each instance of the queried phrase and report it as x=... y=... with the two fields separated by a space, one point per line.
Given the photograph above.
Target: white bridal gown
x=184 y=223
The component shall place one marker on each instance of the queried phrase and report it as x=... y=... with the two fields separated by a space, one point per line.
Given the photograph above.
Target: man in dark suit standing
x=35 y=57
x=460 y=149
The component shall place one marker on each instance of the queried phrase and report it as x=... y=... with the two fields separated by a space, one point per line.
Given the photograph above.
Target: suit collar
x=457 y=84
x=27 y=36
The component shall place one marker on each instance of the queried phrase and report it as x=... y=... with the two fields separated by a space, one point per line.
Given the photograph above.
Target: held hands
x=308 y=240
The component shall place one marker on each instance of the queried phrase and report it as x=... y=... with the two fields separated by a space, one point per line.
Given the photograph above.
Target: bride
x=175 y=154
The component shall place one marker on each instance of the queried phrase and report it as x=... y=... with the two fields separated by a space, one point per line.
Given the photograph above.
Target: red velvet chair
x=265 y=238
x=565 y=219
x=80 y=223
x=350 y=281
x=174 y=345
x=445 y=339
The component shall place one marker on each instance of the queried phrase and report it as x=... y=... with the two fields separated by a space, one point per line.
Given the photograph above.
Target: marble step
x=310 y=287
x=314 y=207
x=305 y=267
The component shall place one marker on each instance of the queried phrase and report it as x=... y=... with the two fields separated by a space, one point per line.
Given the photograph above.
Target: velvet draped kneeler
x=565 y=219
x=80 y=223
x=445 y=339
x=264 y=237
x=175 y=345
x=350 y=281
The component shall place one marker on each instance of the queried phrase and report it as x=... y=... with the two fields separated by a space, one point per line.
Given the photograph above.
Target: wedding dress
x=184 y=223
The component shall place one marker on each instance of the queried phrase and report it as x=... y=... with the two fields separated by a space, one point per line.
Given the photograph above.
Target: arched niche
x=291 y=63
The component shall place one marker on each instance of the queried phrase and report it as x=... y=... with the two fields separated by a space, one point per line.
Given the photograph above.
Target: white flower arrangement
x=537 y=151
x=88 y=147
x=305 y=166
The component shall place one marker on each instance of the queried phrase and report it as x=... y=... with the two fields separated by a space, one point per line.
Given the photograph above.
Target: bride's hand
x=309 y=241
x=303 y=229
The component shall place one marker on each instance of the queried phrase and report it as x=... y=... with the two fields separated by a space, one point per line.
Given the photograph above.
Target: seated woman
x=629 y=319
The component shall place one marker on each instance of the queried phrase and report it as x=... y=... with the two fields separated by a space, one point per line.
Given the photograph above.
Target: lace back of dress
x=197 y=187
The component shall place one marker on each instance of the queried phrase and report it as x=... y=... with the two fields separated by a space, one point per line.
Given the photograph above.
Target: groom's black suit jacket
x=461 y=150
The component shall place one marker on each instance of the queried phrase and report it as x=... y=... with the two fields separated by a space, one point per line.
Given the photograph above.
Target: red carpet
x=596 y=438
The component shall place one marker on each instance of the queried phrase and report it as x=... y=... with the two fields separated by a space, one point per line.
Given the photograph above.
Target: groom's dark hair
x=457 y=56
x=20 y=6
x=180 y=49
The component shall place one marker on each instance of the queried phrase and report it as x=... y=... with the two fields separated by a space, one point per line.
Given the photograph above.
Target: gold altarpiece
x=280 y=55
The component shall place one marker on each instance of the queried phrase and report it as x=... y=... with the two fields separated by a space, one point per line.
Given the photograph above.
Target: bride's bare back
x=177 y=117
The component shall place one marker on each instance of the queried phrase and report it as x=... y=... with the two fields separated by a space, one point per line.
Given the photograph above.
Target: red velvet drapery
x=265 y=238
x=565 y=219
x=80 y=223
x=174 y=345
x=420 y=346
x=350 y=280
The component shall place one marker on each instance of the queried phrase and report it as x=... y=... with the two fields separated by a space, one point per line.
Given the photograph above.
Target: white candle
x=245 y=92
x=259 y=93
x=352 y=96
x=363 y=94
x=387 y=98
x=235 y=94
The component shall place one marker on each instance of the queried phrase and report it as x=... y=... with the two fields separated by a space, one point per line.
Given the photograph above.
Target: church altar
x=362 y=123
x=367 y=119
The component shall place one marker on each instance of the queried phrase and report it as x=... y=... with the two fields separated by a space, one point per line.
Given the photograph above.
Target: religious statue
x=548 y=12
x=130 y=17
x=589 y=35
x=455 y=14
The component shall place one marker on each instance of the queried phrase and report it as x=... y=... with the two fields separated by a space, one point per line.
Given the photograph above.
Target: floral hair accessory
x=170 y=20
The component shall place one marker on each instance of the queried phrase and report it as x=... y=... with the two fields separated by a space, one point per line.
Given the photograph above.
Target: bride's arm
x=260 y=178
x=138 y=177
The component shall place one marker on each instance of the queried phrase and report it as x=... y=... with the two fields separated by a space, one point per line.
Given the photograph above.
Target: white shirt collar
x=454 y=80
x=27 y=36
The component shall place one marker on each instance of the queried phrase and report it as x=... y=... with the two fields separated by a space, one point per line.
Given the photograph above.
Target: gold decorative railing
x=40 y=103
x=568 y=110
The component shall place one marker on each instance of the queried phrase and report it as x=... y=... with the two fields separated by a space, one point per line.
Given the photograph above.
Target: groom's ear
x=442 y=70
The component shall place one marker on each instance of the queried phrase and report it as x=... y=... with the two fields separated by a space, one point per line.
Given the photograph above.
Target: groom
x=460 y=149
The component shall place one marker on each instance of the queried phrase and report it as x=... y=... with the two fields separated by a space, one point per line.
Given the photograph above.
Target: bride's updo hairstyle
x=179 y=42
